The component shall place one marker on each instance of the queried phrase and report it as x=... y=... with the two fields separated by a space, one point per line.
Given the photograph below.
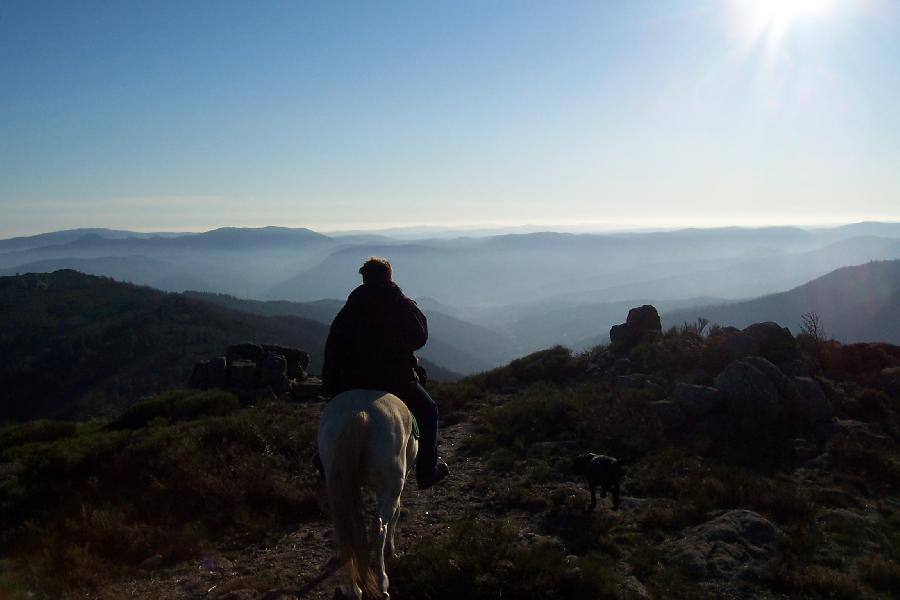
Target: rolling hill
x=76 y=345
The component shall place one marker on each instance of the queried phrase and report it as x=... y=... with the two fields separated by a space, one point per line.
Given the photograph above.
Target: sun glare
x=784 y=11
x=767 y=22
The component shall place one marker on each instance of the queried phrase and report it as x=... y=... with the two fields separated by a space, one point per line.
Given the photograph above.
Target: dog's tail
x=345 y=497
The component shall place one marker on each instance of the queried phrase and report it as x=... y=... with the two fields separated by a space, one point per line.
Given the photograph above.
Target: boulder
x=199 y=378
x=218 y=372
x=644 y=318
x=786 y=386
x=621 y=366
x=724 y=546
x=696 y=400
x=750 y=396
x=307 y=389
x=297 y=360
x=242 y=374
x=273 y=373
x=635 y=381
x=245 y=351
x=642 y=322
x=809 y=406
x=859 y=432
x=725 y=346
x=773 y=338
x=670 y=416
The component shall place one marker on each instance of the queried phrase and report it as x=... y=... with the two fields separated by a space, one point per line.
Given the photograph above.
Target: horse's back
x=388 y=422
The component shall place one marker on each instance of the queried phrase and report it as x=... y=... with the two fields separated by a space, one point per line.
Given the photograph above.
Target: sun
x=768 y=21
x=782 y=12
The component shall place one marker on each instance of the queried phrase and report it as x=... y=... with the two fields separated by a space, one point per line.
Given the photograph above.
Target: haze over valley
x=491 y=298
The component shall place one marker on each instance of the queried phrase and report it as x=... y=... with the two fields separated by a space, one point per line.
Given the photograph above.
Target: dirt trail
x=301 y=564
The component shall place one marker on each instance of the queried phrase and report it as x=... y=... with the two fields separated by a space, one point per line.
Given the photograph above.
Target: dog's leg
x=593 y=496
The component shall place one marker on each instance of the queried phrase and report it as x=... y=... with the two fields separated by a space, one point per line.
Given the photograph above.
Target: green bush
x=108 y=499
x=34 y=432
x=539 y=414
x=555 y=365
x=178 y=405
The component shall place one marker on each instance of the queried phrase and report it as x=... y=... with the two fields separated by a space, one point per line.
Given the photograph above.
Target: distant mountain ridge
x=856 y=304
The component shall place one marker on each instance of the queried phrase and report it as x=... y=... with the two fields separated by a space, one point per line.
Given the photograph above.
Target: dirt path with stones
x=301 y=564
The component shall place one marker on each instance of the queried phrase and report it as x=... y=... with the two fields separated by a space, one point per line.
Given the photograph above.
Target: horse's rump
x=364 y=439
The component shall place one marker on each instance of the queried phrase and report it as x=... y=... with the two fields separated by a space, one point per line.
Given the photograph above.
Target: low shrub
x=881 y=574
x=177 y=405
x=34 y=432
x=554 y=365
x=480 y=560
x=865 y=465
x=108 y=499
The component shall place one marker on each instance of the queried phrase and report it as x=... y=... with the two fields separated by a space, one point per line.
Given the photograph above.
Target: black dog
x=601 y=470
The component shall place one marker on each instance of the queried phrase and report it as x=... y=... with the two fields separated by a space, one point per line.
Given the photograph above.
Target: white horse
x=365 y=440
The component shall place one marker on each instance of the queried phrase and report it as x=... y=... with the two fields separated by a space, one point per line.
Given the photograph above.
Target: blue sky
x=194 y=115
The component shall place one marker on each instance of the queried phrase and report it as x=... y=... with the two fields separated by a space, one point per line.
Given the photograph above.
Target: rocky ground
x=757 y=466
x=301 y=563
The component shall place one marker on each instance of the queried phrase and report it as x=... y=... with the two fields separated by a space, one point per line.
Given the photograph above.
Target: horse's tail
x=345 y=496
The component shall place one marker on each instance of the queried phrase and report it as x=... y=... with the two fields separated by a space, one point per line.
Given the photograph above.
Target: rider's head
x=376 y=269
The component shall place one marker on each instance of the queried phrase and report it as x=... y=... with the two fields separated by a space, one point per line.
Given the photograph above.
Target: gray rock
x=622 y=365
x=153 y=563
x=696 y=400
x=772 y=337
x=273 y=373
x=785 y=386
x=860 y=432
x=307 y=389
x=670 y=416
x=199 y=378
x=297 y=360
x=644 y=318
x=810 y=406
x=642 y=322
x=668 y=413
x=636 y=381
x=242 y=374
x=216 y=564
x=218 y=372
x=724 y=546
x=737 y=346
x=749 y=396
x=245 y=351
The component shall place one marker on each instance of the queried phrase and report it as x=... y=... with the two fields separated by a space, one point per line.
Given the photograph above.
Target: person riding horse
x=371 y=345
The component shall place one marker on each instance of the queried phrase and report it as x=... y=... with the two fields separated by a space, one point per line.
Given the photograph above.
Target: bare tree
x=811 y=325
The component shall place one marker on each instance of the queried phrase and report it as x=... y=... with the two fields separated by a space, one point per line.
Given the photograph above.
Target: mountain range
x=490 y=297
x=854 y=304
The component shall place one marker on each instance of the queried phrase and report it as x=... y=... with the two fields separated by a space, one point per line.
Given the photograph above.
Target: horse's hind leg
x=390 y=548
x=388 y=505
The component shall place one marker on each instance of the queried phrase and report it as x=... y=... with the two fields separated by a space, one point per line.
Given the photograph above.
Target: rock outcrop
x=642 y=323
x=725 y=546
x=248 y=368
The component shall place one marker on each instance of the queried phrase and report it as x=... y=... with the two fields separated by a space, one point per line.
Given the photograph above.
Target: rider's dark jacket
x=372 y=340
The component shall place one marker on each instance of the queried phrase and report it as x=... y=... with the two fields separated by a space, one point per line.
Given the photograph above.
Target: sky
x=186 y=116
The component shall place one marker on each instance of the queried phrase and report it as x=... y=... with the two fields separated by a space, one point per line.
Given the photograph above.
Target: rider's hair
x=375 y=269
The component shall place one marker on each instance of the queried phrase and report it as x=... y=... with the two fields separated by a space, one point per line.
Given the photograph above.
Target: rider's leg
x=425 y=410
